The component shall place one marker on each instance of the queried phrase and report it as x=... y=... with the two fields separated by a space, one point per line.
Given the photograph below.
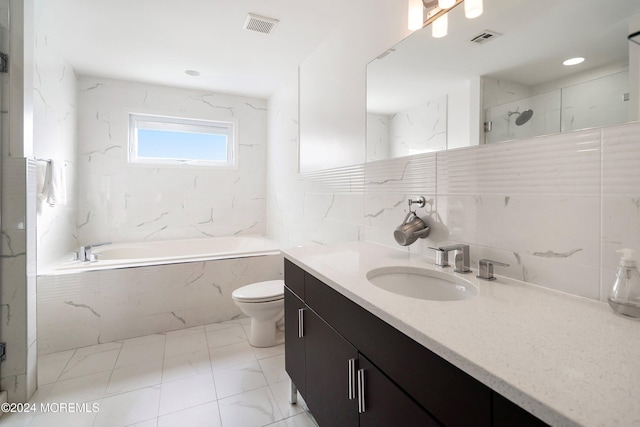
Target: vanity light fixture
x=437 y=13
x=573 y=61
x=446 y=4
x=440 y=26
x=416 y=14
x=472 y=8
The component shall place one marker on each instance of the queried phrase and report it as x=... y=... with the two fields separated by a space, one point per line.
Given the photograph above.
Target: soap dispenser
x=624 y=297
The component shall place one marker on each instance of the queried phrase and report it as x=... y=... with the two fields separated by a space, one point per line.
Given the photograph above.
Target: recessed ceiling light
x=573 y=61
x=192 y=73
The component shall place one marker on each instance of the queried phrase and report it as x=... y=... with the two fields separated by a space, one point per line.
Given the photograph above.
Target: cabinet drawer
x=294 y=278
x=449 y=394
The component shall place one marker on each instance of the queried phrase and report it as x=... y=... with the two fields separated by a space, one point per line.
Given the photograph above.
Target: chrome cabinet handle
x=301 y=323
x=352 y=379
x=361 y=403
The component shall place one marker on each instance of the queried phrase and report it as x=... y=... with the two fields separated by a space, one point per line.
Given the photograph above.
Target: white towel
x=56 y=186
x=43 y=171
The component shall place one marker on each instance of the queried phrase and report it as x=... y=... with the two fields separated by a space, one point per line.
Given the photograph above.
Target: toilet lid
x=260 y=292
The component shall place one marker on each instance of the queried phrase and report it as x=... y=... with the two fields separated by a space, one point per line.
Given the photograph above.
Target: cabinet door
x=385 y=404
x=330 y=387
x=294 y=346
x=508 y=414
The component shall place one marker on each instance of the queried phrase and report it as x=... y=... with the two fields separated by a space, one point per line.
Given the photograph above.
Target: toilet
x=263 y=302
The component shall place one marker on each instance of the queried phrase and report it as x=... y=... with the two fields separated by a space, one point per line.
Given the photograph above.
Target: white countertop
x=568 y=360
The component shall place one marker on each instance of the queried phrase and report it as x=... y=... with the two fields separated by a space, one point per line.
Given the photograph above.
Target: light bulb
x=472 y=8
x=446 y=4
x=440 y=26
x=573 y=61
x=416 y=17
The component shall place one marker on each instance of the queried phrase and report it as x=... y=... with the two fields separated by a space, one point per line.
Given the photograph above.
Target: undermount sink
x=422 y=283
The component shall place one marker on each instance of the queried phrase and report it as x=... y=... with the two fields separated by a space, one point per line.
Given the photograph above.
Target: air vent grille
x=260 y=24
x=485 y=37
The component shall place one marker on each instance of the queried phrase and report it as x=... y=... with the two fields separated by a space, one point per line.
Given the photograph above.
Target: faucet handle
x=485 y=268
x=442 y=257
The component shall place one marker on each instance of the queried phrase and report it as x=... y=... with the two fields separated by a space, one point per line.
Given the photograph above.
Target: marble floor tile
x=187 y=343
x=227 y=336
x=129 y=408
x=253 y=408
x=206 y=415
x=230 y=355
x=82 y=389
x=238 y=379
x=186 y=365
x=273 y=368
x=86 y=364
x=141 y=352
x=264 y=352
x=281 y=393
x=50 y=366
x=135 y=377
x=187 y=393
x=203 y=376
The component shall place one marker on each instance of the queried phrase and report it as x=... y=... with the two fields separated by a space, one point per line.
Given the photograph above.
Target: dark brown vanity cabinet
x=353 y=369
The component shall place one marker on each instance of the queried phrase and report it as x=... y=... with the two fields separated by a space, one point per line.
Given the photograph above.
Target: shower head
x=523 y=117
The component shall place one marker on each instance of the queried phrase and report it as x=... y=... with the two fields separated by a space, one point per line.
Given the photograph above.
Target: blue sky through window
x=164 y=144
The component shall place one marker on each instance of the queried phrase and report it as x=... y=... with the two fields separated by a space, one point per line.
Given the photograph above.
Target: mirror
x=505 y=68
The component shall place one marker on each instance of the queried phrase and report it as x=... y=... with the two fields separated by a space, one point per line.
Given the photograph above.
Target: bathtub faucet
x=85 y=254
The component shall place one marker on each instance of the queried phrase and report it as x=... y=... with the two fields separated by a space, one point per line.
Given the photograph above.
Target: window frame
x=228 y=128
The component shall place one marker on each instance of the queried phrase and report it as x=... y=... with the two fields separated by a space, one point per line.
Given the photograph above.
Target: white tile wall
x=18 y=293
x=554 y=207
x=119 y=202
x=54 y=137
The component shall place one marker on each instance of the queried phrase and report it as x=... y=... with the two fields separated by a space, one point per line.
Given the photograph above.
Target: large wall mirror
x=501 y=76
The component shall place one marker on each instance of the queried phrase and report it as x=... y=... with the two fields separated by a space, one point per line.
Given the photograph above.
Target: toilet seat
x=272 y=290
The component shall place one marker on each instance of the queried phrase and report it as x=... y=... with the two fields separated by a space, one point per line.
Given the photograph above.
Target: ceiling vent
x=485 y=37
x=260 y=24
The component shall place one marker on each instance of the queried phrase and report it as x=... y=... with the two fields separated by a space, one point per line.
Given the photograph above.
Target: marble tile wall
x=120 y=202
x=18 y=277
x=555 y=208
x=407 y=132
x=54 y=137
x=82 y=309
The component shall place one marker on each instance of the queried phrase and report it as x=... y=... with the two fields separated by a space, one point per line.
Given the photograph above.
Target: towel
x=55 y=186
x=42 y=173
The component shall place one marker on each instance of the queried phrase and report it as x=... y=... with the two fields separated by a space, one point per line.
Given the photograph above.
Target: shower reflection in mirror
x=597 y=102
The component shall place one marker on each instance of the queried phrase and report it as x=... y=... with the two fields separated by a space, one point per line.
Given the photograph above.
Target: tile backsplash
x=555 y=207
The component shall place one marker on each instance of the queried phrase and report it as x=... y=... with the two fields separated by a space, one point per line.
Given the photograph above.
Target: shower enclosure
x=594 y=103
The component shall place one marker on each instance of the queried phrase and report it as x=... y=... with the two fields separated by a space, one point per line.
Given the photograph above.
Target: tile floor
x=203 y=376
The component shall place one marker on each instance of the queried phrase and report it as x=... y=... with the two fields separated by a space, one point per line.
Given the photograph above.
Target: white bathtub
x=137 y=289
x=137 y=254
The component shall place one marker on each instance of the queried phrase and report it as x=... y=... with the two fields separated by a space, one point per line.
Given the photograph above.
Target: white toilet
x=264 y=303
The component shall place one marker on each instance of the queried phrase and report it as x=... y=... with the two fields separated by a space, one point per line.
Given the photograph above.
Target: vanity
x=514 y=354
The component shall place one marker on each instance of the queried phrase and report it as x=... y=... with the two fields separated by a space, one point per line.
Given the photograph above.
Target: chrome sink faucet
x=461 y=259
x=485 y=268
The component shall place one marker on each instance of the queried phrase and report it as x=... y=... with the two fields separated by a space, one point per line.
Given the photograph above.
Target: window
x=176 y=141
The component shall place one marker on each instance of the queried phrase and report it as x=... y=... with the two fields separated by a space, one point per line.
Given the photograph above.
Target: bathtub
x=137 y=254
x=137 y=289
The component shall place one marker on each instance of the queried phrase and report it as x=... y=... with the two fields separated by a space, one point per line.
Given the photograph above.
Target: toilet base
x=263 y=333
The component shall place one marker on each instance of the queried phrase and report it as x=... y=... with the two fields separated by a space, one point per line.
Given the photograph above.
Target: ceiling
x=156 y=41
